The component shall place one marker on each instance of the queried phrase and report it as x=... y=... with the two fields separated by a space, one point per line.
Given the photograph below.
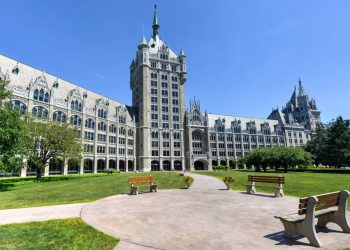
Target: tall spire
x=155 y=25
x=301 y=88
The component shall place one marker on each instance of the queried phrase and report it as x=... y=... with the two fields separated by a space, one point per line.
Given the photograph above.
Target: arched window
x=165 y=135
x=196 y=136
x=89 y=123
x=40 y=112
x=177 y=135
x=41 y=95
x=19 y=106
x=36 y=95
x=122 y=131
x=59 y=116
x=154 y=134
x=112 y=129
x=122 y=119
x=76 y=106
x=46 y=97
x=75 y=120
x=130 y=132
x=101 y=126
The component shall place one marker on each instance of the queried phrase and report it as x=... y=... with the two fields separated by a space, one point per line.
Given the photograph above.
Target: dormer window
x=76 y=106
x=101 y=113
x=41 y=95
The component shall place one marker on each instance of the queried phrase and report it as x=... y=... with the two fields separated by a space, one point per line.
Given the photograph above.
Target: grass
x=54 y=234
x=299 y=184
x=26 y=192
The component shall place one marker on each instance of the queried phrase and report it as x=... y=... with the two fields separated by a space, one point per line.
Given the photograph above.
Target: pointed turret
x=301 y=88
x=155 y=25
x=143 y=43
x=182 y=53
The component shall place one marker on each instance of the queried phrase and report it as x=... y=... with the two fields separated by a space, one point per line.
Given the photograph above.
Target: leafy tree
x=317 y=145
x=338 y=143
x=331 y=143
x=278 y=157
x=52 y=141
x=13 y=134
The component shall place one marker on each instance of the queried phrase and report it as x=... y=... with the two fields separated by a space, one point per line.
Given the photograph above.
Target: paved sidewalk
x=21 y=215
x=202 y=217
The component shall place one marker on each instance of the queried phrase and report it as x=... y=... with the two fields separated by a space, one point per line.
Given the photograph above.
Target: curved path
x=202 y=217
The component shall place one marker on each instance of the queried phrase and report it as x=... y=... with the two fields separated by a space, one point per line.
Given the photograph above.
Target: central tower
x=157 y=82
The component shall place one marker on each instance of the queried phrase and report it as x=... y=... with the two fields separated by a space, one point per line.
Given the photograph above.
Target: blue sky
x=244 y=57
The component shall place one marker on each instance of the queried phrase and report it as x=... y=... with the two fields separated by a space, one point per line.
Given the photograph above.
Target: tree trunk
x=285 y=168
x=38 y=174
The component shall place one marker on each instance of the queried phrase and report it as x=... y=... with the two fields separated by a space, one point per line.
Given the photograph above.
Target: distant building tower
x=157 y=78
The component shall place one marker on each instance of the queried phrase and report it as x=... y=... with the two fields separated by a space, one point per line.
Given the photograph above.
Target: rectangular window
x=89 y=136
x=111 y=150
x=101 y=138
x=176 y=126
x=154 y=152
x=175 y=94
x=154 y=108
x=177 y=153
x=164 y=85
x=121 y=151
x=175 y=102
x=176 y=118
x=154 y=116
x=165 y=117
x=154 y=83
x=154 y=91
x=121 y=140
x=101 y=149
x=164 y=100
x=154 y=124
x=88 y=148
x=154 y=99
x=164 y=67
x=165 y=125
x=166 y=153
x=130 y=142
x=130 y=152
x=175 y=110
x=164 y=92
x=213 y=153
x=154 y=64
x=176 y=144
x=166 y=144
x=112 y=139
x=174 y=86
x=165 y=109
x=155 y=144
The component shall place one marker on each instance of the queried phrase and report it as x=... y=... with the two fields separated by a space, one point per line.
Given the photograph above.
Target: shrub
x=188 y=180
x=221 y=168
x=110 y=171
x=228 y=179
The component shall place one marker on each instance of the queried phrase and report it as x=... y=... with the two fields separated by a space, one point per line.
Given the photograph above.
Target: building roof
x=244 y=120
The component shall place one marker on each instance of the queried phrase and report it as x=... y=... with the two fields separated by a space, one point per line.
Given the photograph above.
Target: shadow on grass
x=6 y=187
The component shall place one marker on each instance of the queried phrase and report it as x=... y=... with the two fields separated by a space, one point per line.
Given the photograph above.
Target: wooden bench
x=265 y=179
x=141 y=181
x=327 y=208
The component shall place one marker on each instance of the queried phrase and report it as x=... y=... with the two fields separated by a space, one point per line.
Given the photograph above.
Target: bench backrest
x=267 y=179
x=323 y=201
x=141 y=179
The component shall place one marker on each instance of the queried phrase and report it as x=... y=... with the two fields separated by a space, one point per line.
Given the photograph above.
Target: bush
x=228 y=179
x=221 y=168
x=188 y=180
x=110 y=171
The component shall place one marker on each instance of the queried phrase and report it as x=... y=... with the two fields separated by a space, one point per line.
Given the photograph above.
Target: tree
x=52 y=141
x=278 y=157
x=331 y=143
x=317 y=144
x=13 y=134
x=338 y=143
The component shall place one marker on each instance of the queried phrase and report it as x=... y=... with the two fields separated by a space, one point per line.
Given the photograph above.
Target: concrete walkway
x=202 y=217
x=21 y=215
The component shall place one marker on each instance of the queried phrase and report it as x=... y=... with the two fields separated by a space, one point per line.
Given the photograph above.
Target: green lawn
x=18 y=193
x=300 y=184
x=54 y=234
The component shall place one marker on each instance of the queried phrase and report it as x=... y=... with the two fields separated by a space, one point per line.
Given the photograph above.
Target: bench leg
x=337 y=218
x=304 y=228
x=251 y=189
x=134 y=191
x=279 y=192
x=290 y=229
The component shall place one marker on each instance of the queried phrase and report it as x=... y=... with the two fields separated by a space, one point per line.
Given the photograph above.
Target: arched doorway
x=101 y=165
x=178 y=165
x=223 y=163
x=166 y=165
x=88 y=166
x=200 y=165
x=112 y=164
x=121 y=165
x=55 y=167
x=130 y=165
x=214 y=163
x=73 y=166
x=155 y=166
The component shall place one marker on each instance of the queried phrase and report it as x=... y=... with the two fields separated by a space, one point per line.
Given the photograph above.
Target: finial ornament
x=155 y=25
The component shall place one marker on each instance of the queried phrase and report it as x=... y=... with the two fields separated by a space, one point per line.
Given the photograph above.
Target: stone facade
x=155 y=133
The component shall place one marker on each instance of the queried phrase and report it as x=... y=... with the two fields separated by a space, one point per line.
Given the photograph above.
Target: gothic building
x=156 y=132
